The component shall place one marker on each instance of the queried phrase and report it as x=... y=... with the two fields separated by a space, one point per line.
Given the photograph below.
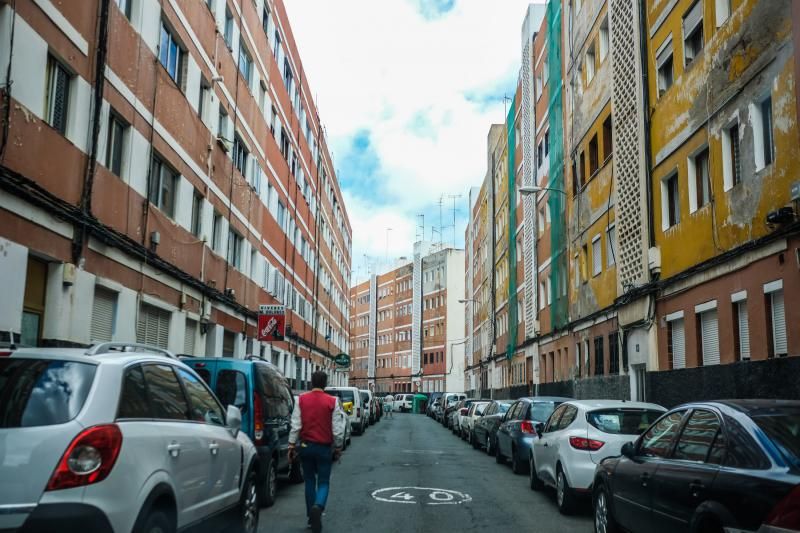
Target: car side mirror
x=539 y=428
x=234 y=417
x=628 y=450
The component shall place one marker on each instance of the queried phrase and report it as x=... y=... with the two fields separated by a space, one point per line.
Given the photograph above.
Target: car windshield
x=623 y=421
x=345 y=395
x=480 y=408
x=503 y=407
x=364 y=397
x=541 y=411
x=783 y=427
x=36 y=392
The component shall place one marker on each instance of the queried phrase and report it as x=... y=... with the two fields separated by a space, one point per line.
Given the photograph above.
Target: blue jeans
x=317 y=460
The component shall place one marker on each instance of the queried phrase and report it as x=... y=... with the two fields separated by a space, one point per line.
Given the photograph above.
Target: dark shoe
x=316 y=519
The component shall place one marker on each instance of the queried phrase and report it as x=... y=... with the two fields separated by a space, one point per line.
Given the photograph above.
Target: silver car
x=118 y=438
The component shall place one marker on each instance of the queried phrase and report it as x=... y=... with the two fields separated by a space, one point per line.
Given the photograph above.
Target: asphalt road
x=420 y=461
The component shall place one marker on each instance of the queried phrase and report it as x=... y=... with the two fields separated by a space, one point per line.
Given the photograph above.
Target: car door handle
x=545 y=445
x=213 y=448
x=174 y=449
x=645 y=478
x=696 y=487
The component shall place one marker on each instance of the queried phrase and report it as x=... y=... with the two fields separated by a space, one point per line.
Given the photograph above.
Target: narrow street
x=414 y=451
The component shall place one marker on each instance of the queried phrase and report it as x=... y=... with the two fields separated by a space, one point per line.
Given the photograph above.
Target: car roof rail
x=111 y=347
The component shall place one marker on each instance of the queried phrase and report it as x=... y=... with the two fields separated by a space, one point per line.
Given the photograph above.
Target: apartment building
x=165 y=172
x=407 y=325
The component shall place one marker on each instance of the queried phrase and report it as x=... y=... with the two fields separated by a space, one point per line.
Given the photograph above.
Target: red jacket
x=316 y=412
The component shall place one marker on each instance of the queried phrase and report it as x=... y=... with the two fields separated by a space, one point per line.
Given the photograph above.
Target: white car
x=467 y=422
x=403 y=402
x=366 y=398
x=112 y=439
x=577 y=436
x=357 y=412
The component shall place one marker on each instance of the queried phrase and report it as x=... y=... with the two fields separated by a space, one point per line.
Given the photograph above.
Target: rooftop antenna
x=454 y=197
x=422 y=216
x=505 y=109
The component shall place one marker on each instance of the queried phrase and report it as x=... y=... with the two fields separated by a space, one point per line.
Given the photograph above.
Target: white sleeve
x=338 y=425
x=297 y=423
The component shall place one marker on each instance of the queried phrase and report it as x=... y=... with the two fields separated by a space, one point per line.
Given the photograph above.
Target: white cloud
x=424 y=90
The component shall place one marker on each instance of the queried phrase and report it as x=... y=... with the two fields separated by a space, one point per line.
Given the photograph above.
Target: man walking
x=318 y=423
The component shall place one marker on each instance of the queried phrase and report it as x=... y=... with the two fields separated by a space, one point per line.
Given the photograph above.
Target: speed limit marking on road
x=421 y=496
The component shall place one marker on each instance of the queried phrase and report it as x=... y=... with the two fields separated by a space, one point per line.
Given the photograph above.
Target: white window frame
x=691 y=177
x=731 y=154
x=611 y=245
x=597 y=256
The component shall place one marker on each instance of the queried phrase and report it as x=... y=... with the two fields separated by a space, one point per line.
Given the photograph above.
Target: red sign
x=271 y=323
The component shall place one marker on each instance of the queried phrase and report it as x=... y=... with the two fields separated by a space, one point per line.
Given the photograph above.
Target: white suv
x=357 y=412
x=118 y=438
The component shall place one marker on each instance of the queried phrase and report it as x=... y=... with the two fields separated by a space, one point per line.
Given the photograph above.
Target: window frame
x=174 y=44
x=116 y=121
x=157 y=184
x=58 y=119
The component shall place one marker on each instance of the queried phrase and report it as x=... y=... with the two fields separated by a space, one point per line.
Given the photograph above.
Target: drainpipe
x=651 y=238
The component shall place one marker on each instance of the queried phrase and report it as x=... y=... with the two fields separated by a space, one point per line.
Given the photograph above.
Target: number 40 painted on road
x=421 y=495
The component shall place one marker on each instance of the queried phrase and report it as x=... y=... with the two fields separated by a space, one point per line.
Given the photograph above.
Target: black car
x=729 y=465
x=485 y=431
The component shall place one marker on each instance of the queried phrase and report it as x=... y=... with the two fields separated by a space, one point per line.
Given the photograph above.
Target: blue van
x=264 y=397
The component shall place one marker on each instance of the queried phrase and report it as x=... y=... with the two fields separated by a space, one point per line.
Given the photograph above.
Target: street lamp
x=533 y=189
x=467 y=300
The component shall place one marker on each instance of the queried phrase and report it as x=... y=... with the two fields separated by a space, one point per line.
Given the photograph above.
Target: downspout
x=493 y=310
x=91 y=163
x=651 y=237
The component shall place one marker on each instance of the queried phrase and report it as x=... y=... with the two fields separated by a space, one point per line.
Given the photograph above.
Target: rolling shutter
x=189 y=336
x=678 y=344
x=103 y=314
x=744 y=330
x=709 y=331
x=153 y=326
x=778 y=324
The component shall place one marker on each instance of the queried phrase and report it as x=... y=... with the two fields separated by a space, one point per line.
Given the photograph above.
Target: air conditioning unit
x=224 y=143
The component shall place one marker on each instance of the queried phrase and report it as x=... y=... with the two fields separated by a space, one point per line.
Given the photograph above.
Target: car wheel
x=517 y=466
x=603 y=518
x=565 y=498
x=488 y=445
x=536 y=483
x=247 y=520
x=156 y=522
x=498 y=455
x=267 y=490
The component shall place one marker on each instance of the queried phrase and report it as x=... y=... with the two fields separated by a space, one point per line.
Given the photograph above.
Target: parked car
x=112 y=439
x=357 y=413
x=484 y=430
x=403 y=402
x=711 y=466
x=578 y=435
x=460 y=413
x=474 y=412
x=9 y=341
x=450 y=414
x=262 y=394
x=433 y=407
x=517 y=431
x=434 y=398
x=366 y=398
x=449 y=403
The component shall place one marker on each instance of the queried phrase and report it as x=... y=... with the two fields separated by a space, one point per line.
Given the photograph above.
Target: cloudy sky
x=407 y=90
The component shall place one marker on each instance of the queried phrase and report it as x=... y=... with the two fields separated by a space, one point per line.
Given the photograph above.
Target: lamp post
x=533 y=189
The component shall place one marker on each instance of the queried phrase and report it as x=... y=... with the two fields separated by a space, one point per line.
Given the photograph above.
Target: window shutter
x=693 y=17
x=103 y=311
x=678 y=345
x=597 y=258
x=664 y=53
x=188 y=339
x=153 y=326
x=778 y=324
x=709 y=330
x=744 y=330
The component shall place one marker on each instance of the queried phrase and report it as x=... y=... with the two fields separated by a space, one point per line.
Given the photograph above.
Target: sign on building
x=271 y=322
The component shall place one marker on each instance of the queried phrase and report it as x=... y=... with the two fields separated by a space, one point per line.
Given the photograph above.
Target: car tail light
x=786 y=515
x=358 y=412
x=463 y=411
x=5 y=353
x=88 y=459
x=527 y=427
x=579 y=443
x=258 y=419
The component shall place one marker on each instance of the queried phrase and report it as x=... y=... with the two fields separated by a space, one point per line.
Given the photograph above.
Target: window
x=232 y=389
x=742 y=329
x=599 y=357
x=273 y=120
x=162 y=186
x=731 y=158
x=197 y=214
x=166 y=394
x=594 y=162
x=265 y=21
x=777 y=318
x=125 y=7
x=722 y=11
x=697 y=436
x=240 y=154
x=216 y=232
x=603 y=40
x=658 y=440
x=699 y=181
x=613 y=353
x=611 y=245
x=203 y=407
x=104 y=310
x=765 y=146
x=133 y=400
x=670 y=202
x=597 y=258
x=245 y=64
x=171 y=55
x=117 y=131
x=222 y=123
x=152 y=326
x=547 y=142
x=285 y=145
x=676 y=344
x=58 y=92
x=665 y=66
x=622 y=421
x=708 y=324
x=228 y=30
x=281 y=218
x=584 y=263
x=189 y=336
x=235 y=242
x=288 y=77
x=693 y=32
x=607 y=138
x=590 y=65
x=540 y=154
x=582 y=169
x=204 y=98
